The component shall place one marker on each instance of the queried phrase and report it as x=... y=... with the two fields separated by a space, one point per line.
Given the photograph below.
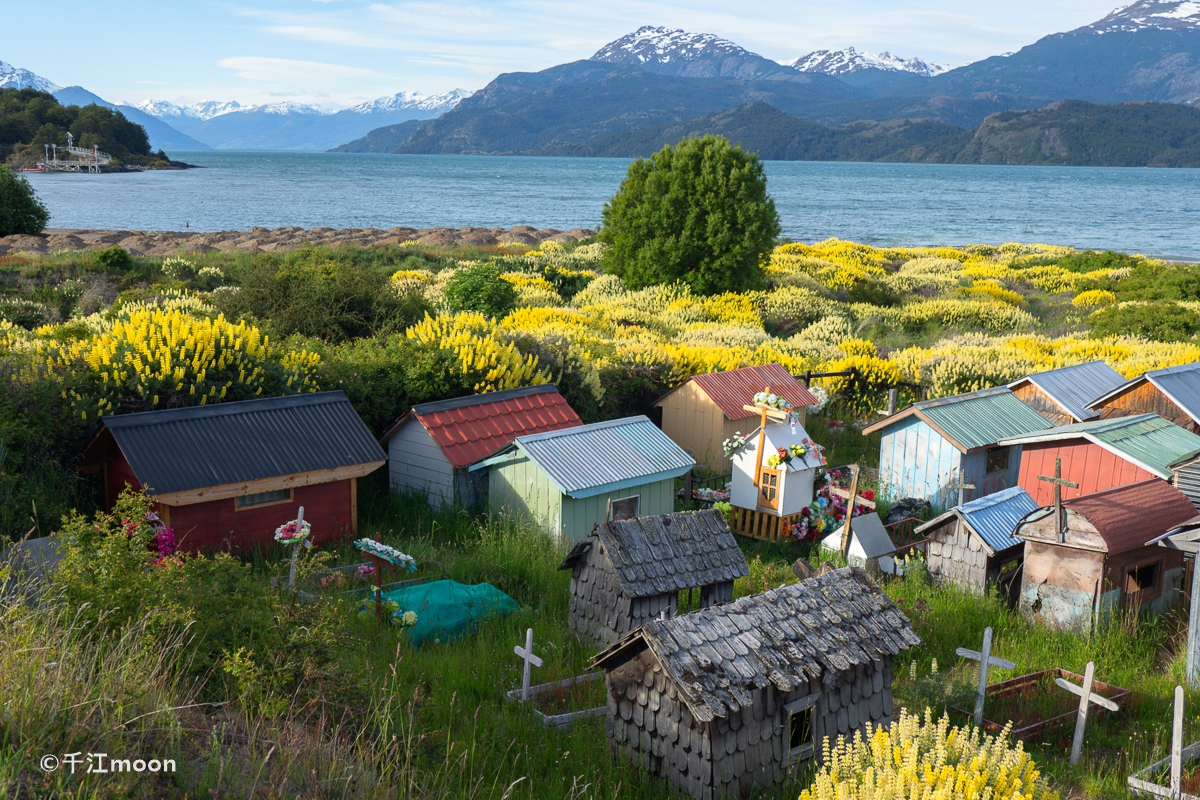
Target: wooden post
x=1086 y=698
x=807 y=378
x=687 y=485
x=295 y=551
x=891 y=406
x=763 y=412
x=1177 y=744
x=526 y=654
x=846 y=533
x=1060 y=518
x=985 y=659
x=1193 y=641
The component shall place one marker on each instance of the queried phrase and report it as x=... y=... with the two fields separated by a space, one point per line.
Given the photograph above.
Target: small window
x=801 y=733
x=768 y=489
x=264 y=499
x=997 y=460
x=626 y=507
x=1144 y=581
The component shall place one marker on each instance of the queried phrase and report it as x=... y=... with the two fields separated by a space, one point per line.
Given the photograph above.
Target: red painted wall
x=218 y=525
x=1090 y=465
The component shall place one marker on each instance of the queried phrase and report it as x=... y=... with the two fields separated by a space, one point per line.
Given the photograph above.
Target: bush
x=20 y=209
x=1152 y=280
x=115 y=260
x=480 y=288
x=698 y=213
x=1091 y=260
x=1161 y=321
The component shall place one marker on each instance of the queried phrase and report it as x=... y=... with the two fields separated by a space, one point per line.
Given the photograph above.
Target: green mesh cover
x=447 y=610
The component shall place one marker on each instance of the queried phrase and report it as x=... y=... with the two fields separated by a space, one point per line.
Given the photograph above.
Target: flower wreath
x=294 y=532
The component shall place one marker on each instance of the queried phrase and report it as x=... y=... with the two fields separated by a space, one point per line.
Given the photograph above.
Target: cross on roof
x=1060 y=519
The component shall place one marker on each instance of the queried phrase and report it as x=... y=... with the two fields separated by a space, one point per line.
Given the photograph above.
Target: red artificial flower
x=868 y=494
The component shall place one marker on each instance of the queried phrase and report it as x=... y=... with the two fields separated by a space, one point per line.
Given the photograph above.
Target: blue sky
x=338 y=52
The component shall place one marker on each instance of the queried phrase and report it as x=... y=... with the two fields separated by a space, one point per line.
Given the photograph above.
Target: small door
x=768 y=489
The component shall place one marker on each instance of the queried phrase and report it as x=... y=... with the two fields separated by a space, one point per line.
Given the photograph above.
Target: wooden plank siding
x=1032 y=395
x=417 y=464
x=917 y=461
x=1146 y=398
x=579 y=516
x=1090 y=465
x=520 y=488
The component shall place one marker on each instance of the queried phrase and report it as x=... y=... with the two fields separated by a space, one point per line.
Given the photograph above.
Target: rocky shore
x=263 y=240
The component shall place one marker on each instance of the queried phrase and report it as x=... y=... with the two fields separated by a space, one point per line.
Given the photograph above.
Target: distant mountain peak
x=840 y=62
x=1144 y=14
x=672 y=51
x=204 y=110
x=16 y=78
x=404 y=101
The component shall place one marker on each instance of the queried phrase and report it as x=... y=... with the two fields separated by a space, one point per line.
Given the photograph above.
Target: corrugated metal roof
x=735 y=388
x=1180 y=383
x=993 y=517
x=468 y=429
x=1074 y=387
x=1126 y=517
x=982 y=418
x=1145 y=439
x=181 y=449
x=591 y=459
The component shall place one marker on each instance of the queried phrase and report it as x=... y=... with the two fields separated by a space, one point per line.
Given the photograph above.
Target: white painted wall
x=416 y=463
x=796 y=484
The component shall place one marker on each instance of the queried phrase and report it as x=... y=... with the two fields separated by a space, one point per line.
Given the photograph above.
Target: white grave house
x=773 y=467
x=870 y=546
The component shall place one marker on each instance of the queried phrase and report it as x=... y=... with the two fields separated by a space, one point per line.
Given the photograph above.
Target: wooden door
x=768 y=489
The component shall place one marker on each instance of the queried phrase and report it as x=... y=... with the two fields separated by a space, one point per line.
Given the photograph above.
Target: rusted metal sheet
x=1126 y=517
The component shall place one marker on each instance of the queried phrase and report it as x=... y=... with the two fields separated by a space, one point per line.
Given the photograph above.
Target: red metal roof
x=470 y=431
x=1127 y=517
x=735 y=388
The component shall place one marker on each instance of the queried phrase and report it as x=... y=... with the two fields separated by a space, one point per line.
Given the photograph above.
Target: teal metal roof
x=974 y=420
x=993 y=517
x=1145 y=439
x=588 y=460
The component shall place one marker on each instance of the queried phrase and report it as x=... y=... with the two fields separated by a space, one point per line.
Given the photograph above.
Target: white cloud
x=286 y=70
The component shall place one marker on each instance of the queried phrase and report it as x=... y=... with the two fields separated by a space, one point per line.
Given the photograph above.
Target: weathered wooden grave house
x=972 y=545
x=1172 y=393
x=431 y=446
x=631 y=571
x=227 y=475
x=724 y=699
x=1103 y=453
x=708 y=409
x=934 y=445
x=1102 y=563
x=572 y=479
x=1062 y=395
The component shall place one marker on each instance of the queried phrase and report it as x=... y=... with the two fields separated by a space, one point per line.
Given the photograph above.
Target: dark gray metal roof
x=181 y=449
x=993 y=517
x=1074 y=387
x=668 y=552
x=808 y=631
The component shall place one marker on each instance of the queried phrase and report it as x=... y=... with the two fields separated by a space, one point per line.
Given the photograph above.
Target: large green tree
x=697 y=212
x=20 y=209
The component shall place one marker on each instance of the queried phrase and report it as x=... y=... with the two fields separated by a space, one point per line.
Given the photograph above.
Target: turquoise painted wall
x=916 y=461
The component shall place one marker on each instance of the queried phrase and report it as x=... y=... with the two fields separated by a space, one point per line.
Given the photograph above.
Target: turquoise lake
x=1152 y=211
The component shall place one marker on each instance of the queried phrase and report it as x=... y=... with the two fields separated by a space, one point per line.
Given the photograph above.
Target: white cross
x=985 y=659
x=526 y=654
x=1177 y=743
x=1085 y=699
x=295 y=550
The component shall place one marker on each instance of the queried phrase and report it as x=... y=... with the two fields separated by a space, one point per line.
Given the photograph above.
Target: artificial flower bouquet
x=733 y=443
x=294 y=532
x=771 y=400
x=389 y=554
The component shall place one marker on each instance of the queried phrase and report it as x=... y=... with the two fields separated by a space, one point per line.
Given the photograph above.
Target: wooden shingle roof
x=809 y=631
x=667 y=552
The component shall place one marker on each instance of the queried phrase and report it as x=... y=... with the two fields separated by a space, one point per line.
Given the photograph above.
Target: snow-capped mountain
x=840 y=62
x=670 y=51
x=415 y=101
x=1161 y=14
x=16 y=78
x=205 y=109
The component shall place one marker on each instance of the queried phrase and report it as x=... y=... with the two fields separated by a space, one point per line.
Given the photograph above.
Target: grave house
x=870 y=545
x=628 y=572
x=706 y=410
x=783 y=489
x=569 y=480
x=972 y=545
x=1102 y=453
x=432 y=445
x=1062 y=395
x=933 y=444
x=725 y=699
x=227 y=475
x=1172 y=393
x=1080 y=578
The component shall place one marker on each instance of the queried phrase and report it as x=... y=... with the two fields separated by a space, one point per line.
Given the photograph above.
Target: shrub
x=1091 y=260
x=20 y=209
x=1162 y=321
x=480 y=288
x=115 y=260
x=698 y=212
x=465 y=353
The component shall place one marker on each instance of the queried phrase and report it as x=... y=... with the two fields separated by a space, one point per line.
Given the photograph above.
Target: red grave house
x=227 y=475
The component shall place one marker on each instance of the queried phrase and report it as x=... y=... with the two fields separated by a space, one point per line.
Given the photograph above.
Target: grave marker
x=1177 y=744
x=852 y=498
x=295 y=551
x=526 y=654
x=1086 y=698
x=961 y=486
x=985 y=659
x=764 y=412
x=1060 y=519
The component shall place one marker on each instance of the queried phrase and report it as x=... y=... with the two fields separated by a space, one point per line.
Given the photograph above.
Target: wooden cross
x=295 y=551
x=764 y=413
x=1177 y=744
x=962 y=488
x=1086 y=698
x=985 y=659
x=526 y=654
x=852 y=498
x=1059 y=518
